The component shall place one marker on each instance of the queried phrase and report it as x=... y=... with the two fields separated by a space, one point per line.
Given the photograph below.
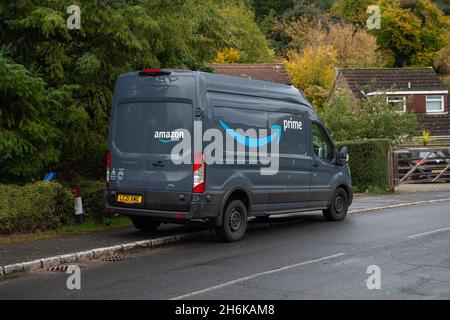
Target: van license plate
x=129 y=199
x=437 y=171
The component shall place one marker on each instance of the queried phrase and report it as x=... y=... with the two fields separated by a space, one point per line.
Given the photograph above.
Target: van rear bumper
x=207 y=206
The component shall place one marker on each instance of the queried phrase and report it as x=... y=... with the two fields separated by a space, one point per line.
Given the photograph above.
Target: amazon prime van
x=187 y=145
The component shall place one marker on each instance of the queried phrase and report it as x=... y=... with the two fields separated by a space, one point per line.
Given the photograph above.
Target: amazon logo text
x=168 y=136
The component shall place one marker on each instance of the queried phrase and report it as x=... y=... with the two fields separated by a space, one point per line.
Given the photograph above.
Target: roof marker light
x=153 y=72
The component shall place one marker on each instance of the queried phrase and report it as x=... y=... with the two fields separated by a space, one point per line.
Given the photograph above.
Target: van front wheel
x=338 y=206
x=145 y=224
x=234 y=223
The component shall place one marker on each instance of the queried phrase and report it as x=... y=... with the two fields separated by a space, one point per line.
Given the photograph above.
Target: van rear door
x=145 y=130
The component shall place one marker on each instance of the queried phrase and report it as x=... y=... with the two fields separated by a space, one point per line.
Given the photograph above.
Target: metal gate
x=419 y=165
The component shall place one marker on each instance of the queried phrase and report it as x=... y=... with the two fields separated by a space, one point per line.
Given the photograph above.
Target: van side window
x=323 y=148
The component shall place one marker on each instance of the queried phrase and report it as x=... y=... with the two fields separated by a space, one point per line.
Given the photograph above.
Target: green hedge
x=34 y=207
x=368 y=164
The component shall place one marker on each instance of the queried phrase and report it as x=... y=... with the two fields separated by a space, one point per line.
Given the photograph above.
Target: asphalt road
x=300 y=258
x=27 y=251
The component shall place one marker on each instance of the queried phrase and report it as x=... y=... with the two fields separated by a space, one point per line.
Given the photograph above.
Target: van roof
x=224 y=83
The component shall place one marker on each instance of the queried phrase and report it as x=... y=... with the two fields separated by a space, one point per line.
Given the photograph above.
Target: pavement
x=28 y=251
x=307 y=258
x=422 y=187
x=363 y=201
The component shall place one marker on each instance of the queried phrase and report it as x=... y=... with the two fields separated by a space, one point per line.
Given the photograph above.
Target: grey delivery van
x=262 y=151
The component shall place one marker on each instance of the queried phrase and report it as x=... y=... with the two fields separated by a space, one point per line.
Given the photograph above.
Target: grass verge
x=73 y=229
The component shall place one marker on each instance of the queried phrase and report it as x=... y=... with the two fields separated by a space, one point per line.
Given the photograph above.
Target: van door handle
x=158 y=164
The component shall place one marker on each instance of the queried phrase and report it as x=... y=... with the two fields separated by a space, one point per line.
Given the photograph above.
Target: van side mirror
x=343 y=155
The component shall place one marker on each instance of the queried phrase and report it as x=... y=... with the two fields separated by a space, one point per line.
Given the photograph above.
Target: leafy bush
x=34 y=207
x=34 y=121
x=368 y=164
x=412 y=30
x=373 y=118
x=116 y=37
x=313 y=71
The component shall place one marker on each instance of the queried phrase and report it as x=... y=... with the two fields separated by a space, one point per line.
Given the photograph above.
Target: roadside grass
x=73 y=229
x=376 y=190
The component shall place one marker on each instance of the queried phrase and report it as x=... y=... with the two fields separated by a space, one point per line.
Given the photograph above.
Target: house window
x=399 y=102
x=435 y=104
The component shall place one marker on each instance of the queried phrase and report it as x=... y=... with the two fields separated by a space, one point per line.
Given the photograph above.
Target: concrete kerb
x=32 y=265
x=151 y=243
x=98 y=253
x=13 y=268
x=51 y=262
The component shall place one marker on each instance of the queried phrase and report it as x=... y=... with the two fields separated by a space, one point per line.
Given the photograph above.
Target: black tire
x=338 y=206
x=234 y=224
x=144 y=223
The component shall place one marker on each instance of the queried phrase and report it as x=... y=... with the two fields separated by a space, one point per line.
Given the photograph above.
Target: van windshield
x=150 y=127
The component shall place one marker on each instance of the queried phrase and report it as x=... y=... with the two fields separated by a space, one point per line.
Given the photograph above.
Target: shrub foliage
x=34 y=207
x=373 y=118
x=368 y=164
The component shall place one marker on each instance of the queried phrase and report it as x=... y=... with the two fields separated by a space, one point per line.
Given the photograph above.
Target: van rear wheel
x=234 y=223
x=338 y=206
x=144 y=223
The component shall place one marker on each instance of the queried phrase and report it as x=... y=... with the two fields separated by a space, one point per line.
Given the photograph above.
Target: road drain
x=57 y=269
x=115 y=258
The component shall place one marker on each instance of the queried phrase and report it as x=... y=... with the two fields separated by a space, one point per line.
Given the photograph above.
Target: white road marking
x=229 y=283
x=417 y=235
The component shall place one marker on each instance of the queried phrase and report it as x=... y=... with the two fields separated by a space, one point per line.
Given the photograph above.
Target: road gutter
x=96 y=253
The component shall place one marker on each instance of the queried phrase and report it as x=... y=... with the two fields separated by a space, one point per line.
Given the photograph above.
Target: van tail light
x=108 y=167
x=153 y=72
x=199 y=174
x=448 y=160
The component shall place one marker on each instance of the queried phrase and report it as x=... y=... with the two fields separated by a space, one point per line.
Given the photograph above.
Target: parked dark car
x=434 y=165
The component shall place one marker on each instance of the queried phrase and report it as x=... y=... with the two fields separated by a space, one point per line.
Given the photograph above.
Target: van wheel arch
x=346 y=188
x=343 y=186
x=237 y=193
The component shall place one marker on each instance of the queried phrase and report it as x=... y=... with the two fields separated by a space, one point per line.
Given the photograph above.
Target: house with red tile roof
x=411 y=89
